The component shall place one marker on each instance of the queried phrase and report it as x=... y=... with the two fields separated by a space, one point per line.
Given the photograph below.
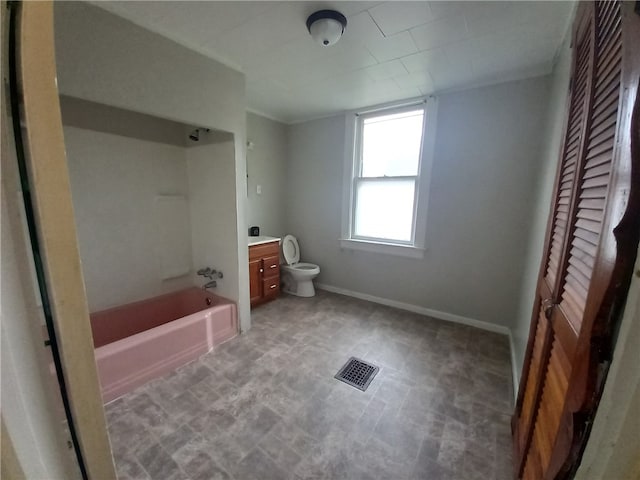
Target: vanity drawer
x=271 y=286
x=271 y=266
x=264 y=250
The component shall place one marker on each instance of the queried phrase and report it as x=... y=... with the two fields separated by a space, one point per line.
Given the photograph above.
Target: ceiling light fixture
x=326 y=26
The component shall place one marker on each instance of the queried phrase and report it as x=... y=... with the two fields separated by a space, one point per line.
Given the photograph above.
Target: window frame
x=354 y=123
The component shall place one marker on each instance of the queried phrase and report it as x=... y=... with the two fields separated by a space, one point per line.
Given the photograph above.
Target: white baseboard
x=449 y=317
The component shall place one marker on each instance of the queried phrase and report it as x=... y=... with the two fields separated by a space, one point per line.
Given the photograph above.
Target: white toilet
x=297 y=277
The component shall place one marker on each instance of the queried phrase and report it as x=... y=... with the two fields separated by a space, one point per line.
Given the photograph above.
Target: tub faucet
x=207 y=272
x=211 y=284
x=210 y=273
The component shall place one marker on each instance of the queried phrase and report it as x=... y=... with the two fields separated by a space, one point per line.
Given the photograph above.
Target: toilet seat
x=302 y=267
x=290 y=250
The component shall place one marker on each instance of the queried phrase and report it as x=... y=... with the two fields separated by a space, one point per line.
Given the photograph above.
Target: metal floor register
x=357 y=373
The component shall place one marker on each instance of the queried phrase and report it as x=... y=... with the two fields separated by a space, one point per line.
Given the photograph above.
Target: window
x=385 y=179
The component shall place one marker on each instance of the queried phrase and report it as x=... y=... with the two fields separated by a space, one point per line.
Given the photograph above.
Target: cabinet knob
x=273 y=286
x=547 y=306
x=261 y=270
x=273 y=266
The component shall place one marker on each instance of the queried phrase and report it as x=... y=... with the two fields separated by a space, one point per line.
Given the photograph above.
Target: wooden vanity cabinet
x=264 y=272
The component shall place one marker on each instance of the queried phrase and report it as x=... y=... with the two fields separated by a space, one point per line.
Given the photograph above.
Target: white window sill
x=384 y=248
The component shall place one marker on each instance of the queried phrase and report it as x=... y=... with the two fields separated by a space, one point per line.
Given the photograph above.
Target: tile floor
x=266 y=406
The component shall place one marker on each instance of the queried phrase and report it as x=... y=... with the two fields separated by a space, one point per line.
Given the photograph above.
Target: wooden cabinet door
x=591 y=243
x=255 y=280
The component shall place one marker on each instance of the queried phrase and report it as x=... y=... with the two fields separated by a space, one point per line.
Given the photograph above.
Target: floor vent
x=357 y=373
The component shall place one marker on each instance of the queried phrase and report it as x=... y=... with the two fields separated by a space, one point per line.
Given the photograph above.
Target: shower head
x=195 y=135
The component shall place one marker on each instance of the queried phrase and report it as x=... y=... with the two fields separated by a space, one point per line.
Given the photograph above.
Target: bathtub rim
x=165 y=328
x=136 y=303
x=124 y=310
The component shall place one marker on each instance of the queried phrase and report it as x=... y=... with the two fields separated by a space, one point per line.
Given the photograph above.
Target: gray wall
x=542 y=202
x=266 y=166
x=103 y=118
x=487 y=159
x=106 y=59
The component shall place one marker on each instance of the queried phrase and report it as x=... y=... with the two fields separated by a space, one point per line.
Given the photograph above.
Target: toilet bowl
x=297 y=276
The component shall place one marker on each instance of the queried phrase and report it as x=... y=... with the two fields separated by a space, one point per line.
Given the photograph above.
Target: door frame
x=49 y=195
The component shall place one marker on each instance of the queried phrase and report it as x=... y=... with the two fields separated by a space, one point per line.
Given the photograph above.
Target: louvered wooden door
x=585 y=263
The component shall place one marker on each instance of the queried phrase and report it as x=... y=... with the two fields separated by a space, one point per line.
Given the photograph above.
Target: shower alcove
x=151 y=200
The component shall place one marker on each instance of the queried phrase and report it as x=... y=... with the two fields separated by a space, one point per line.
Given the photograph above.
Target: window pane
x=391 y=144
x=384 y=209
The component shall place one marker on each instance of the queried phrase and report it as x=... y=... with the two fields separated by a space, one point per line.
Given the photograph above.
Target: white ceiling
x=389 y=51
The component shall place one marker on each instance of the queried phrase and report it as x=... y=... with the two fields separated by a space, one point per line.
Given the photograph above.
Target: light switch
x=259 y=189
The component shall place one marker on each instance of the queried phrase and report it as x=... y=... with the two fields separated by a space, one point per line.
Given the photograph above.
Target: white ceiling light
x=326 y=26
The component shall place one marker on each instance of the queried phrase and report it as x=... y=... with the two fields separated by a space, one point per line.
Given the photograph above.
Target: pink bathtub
x=140 y=341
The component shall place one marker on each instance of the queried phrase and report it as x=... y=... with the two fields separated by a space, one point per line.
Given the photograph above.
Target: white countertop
x=262 y=239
